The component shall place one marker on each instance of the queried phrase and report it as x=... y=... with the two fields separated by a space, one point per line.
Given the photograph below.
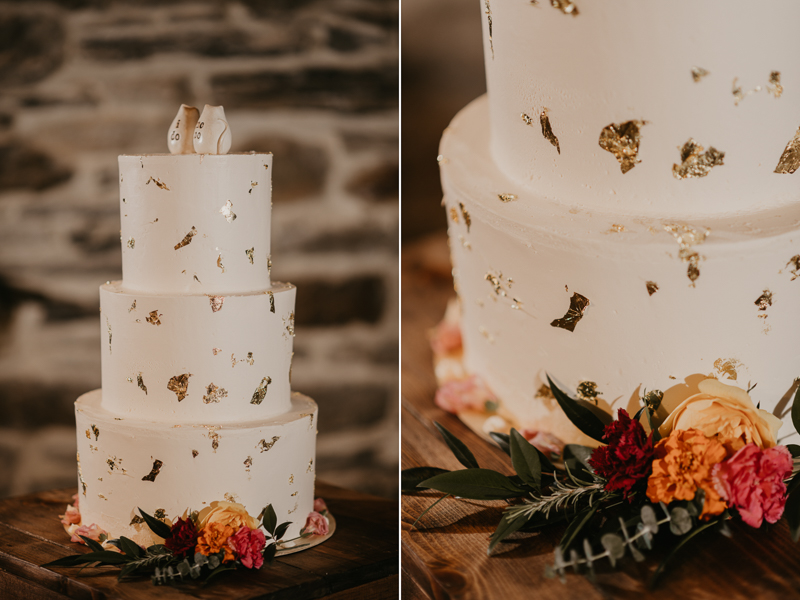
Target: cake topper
x=179 y=139
x=212 y=135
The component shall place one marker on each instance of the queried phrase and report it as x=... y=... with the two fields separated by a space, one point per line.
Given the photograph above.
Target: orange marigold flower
x=214 y=538
x=682 y=465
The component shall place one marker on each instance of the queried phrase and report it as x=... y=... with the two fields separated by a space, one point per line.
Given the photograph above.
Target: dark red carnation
x=182 y=538
x=627 y=458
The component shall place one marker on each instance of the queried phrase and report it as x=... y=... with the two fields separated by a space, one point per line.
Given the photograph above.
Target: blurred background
x=313 y=81
x=442 y=72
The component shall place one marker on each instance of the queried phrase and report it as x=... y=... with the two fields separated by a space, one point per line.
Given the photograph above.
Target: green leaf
x=504 y=529
x=92 y=544
x=475 y=484
x=654 y=430
x=105 y=557
x=794 y=450
x=67 y=561
x=581 y=417
x=160 y=528
x=270 y=520
x=576 y=469
x=130 y=548
x=281 y=529
x=525 y=460
x=411 y=478
x=269 y=553
x=502 y=440
x=459 y=448
x=793 y=484
x=674 y=551
x=796 y=410
x=576 y=525
x=425 y=512
x=220 y=569
x=792 y=512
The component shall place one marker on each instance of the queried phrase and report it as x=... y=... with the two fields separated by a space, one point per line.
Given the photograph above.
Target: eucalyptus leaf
x=458 y=448
x=614 y=545
x=649 y=518
x=411 y=478
x=502 y=440
x=525 y=460
x=504 y=529
x=576 y=525
x=475 y=484
x=645 y=539
x=581 y=417
x=270 y=519
x=160 y=528
x=680 y=521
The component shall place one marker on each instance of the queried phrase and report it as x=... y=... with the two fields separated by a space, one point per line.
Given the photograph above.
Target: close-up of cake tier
x=197 y=358
x=170 y=470
x=721 y=73
x=195 y=223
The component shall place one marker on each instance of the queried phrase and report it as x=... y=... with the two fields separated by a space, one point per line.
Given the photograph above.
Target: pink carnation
x=72 y=516
x=446 y=338
x=93 y=532
x=248 y=545
x=460 y=394
x=316 y=524
x=752 y=482
x=545 y=442
x=320 y=506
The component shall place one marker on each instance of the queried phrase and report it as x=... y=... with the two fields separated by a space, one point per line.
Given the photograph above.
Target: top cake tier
x=195 y=223
x=713 y=72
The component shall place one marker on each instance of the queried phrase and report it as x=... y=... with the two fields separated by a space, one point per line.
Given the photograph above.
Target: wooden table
x=359 y=561
x=445 y=555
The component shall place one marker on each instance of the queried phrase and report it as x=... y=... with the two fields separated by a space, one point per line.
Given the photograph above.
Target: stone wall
x=314 y=82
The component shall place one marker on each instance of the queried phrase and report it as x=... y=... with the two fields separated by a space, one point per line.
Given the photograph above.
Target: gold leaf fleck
x=95 y=431
x=226 y=212
x=153 y=318
x=454 y=214
x=80 y=474
x=764 y=301
x=136 y=520
x=790 y=159
x=565 y=6
x=179 y=384
x=652 y=287
x=291 y=479
x=695 y=162
x=795 y=269
x=290 y=324
x=195 y=453
x=547 y=130
x=160 y=514
x=616 y=228
x=544 y=391
x=310 y=418
x=187 y=239
x=140 y=383
x=214 y=437
x=294 y=509
x=527 y=119
x=131 y=243
x=577 y=306
x=774 y=86
x=249 y=254
x=216 y=351
x=269 y=264
x=154 y=472
x=622 y=140
x=214 y=393
x=158 y=182
x=133 y=306
x=587 y=390
x=489 y=21
x=108 y=325
x=686 y=238
x=310 y=465
x=698 y=73
x=264 y=445
x=248 y=462
x=216 y=302
x=271 y=301
x=727 y=367
x=465 y=214
x=261 y=391
x=219 y=263
x=88 y=434
x=506 y=197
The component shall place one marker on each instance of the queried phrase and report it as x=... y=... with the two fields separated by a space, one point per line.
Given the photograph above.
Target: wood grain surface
x=444 y=556
x=359 y=561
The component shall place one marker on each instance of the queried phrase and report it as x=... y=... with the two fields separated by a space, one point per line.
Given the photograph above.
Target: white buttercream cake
x=622 y=205
x=196 y=404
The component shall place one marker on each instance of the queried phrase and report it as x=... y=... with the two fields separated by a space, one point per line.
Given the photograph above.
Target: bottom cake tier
x=168 y=470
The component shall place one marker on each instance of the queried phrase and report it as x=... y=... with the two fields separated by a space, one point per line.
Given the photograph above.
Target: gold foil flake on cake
x=88 y=434
x=577 y=307
x=686 y=238
x=291 y=479
x=507 y=197
x=616 y=228
x=226 y=212
x=195 y=453
x=229 y=497
x=248 y=462
x=213 y=436
x=271 y=301
x=269 y=264
x=289 y=323
x=764 y=301
x=310 y=418
x=698 y=73
x=622 y=140
x=774 y=86
x=294 y=494
x=464 y=242
x=80 y=474
x=294 y=509
x=565 y=6
x=160 y=514
x=216 y=351
x=140 y=383
x=114 y=463
x=739 y=94
x=136 y=520
x=795 y=266
x=151 y=476
x=727 y=367
x=790 y=159
x=160 y=184
x=547 y=130
x=216 y=302
x=108 y=325
x=544 y=392
x=153 y=318
x=197 y=280
x=488 y=13
x=587 y=390
x=95 y=431
x=310 y=466
x=485 y=333
x=133 y=306
x=187 y=239
x=652 y=287
x=527 y=119
x=261 y=391
x=465 y=215
x=264 y=445
x=454 y=214
x=249 y=254
x=695 y=162
x=180 y=385
x=131 y=243
x=250 y=360
x=214 y=393
x=219 y=263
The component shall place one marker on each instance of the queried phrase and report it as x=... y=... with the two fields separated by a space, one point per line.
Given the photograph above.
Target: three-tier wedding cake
x=622 y=209
x=196 y=404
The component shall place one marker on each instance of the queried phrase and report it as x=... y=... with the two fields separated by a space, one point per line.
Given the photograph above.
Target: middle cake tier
x=197 y=358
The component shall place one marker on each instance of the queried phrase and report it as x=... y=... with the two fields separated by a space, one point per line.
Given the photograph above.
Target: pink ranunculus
x=93 y=532
x=248 y=545
x=71 y=516
x=320 y=506
x=545 y=442
x=752 y=481
x=446 y=338
x=470 y=393
x=316 y=524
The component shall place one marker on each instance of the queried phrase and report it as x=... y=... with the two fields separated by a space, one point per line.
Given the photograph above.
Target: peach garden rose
x=726 y=412
x=230 y=514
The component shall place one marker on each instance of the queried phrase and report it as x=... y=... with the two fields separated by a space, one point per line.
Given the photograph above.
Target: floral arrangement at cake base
x=714 y=459
x=199 y=545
